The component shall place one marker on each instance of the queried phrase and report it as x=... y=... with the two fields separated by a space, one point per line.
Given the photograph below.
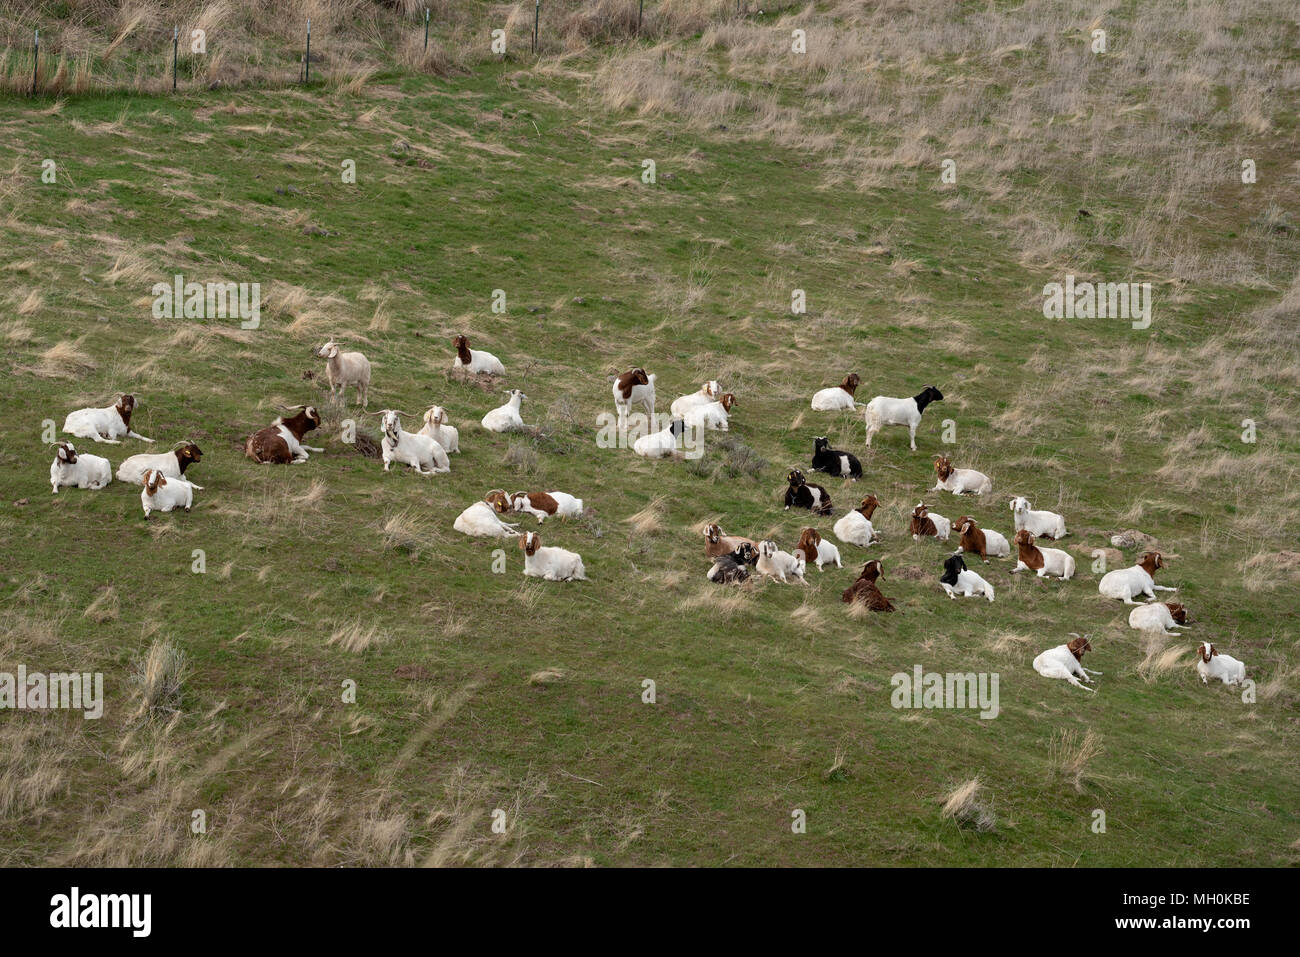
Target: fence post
x=537 y=16
x=176 y=33
x=426 y=29
x=36 y=59
x=639 y=10
x=307 y=59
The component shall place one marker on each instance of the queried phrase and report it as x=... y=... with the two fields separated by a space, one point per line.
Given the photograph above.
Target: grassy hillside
x=479 y=691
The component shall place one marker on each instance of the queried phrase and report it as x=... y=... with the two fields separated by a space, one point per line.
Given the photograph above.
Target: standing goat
x=882 y=411
x=709 y=392
x=633 y=388
x=345 y=369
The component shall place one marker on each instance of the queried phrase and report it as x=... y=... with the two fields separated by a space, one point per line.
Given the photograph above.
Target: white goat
x=1066 y=661
x=1127 y=583
x=960 y=481
x=709 y=392
x=882 y=411
x=779 y=565
x=506 y=418
x=837 y=397
x=415 y=449
x=79 y=469
x=1159 y=616
x=110 y=424
x=436 y=428
x=1210 y=663
x=712 y=415
x=483 y=518
x=162 y=494
x=171 y=464
x=552 y=564
x=1040 y=523
x=346 y=369
x=662 y=444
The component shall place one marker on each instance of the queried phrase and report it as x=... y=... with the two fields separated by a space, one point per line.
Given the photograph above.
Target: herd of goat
x=165 y=487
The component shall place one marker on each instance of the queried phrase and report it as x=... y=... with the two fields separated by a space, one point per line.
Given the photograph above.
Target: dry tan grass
x=968 y=805
x=357 y=636
x=1070 y=753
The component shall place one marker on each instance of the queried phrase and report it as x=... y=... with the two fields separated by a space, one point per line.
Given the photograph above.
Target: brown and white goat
x=281 y=442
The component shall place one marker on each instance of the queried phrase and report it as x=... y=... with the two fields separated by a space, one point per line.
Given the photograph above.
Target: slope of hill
x=478 y=691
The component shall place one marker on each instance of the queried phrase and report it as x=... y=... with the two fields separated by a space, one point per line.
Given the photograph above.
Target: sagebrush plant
x=477 y=691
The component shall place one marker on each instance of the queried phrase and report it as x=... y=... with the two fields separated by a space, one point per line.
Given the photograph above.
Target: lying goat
x=718 y=543
x=543 y=505
x=838 y=397
x=281 y=441
x=1127 y=583
x=734 y=566
x=436 y=427
x=506 y=418
x=833 y=461
x=803 y=494
x=1159 y=616
x=712 y=415
x=79 y=470
x=778 y=565
x=1066 y=661
x=855 y=528
x=709 y=392
x=1211 y=664
x=418 y=451
x=957 y=579
x=865 y=591
x=1040 y=523
x=959 y=481
x=111 y=424
x=981 y=542
x=483 y=518
x=475 y=361
x=926 y=523
x=1044 y=561
x=823 y=552
x=162 y=494
x=552 y=564
x=171 y=464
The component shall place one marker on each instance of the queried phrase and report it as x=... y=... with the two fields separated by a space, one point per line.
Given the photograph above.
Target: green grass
x=528 y=186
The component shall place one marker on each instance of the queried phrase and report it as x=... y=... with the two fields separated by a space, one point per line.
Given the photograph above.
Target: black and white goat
x=833 y=461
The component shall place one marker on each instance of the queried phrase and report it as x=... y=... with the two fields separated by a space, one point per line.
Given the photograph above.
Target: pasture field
x=478 y=691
